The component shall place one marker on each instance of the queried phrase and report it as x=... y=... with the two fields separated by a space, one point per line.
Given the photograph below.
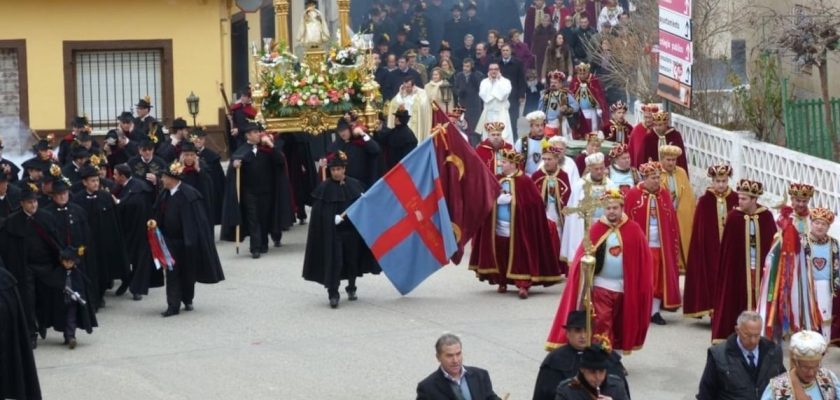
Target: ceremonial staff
x=238 y=201
x=585 y=209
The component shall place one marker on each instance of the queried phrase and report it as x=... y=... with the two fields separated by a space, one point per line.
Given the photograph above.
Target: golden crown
x=650 y=168
x=512 y=156
x=670 y=150
x=618 y=105
x=594 y=137
x=750 y=188
x=494 y=126
x=548 y=148
x=558 y=75
x=661 y=116
x=719 y=170
x=618 y=150
x=801 y=190
x=613 y=194
x=823 y=214
x=582 y=67
x=55 y=170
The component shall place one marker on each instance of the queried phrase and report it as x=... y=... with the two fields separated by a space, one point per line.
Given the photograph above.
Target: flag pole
x=238 y=200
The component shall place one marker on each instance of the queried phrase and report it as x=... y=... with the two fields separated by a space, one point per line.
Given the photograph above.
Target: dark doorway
x=238 y=52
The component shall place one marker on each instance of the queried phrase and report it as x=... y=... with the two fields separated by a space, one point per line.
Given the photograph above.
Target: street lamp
x=446 y=93
x=192 y=105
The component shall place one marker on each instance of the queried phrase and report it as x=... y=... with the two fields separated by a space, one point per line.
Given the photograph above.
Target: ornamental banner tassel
x=160 y=253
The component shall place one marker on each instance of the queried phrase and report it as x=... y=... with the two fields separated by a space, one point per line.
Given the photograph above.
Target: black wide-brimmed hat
x=179 y=123
x=60 y=185
x=145 y=102
x=147 y=143
x=576 y=319
x=41 y=145
x=595 y=357
x=126 y=117
x=198 y=132
x=175 y=170
x=188 y=147
x=71 y=253
x=337 y=159
x=88 y=171
x=84 y=136
x=402 y=115
x=29 y=191
x=79 y=122
x=252 y=127
x=79 y=152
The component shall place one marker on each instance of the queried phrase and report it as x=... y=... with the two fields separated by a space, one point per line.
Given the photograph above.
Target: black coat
x=466 y=94
x=202 y=182
x=303 y=176
x=139 y=168
x=186 y=230
x=726 y=376
x=515 y=73
x=361 y=158
x=562 y=364
x=168 y=152
x=142 y=127
x=396 y=143
x=396 y=79
x=437 y=387
x=106 y=244
x=18 y=374
x=10 y=203
x=572 y=389
x=14 y=170
x=327 y=244
x=217 y=175
x=119 y=155
x=57 y=314
x=71 y=172
x=134 y=210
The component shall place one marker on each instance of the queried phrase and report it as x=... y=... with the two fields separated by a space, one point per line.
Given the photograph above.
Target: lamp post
x=446 y=93
x=192 y=105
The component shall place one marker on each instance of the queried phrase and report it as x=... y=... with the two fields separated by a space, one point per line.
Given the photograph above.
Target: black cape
x=564 y=363
x=303 y=176
x=106 y=244
x=573 y=389
x=396 y=143
x=191 y=243
x=362 y=158
x=18 y=375
x=11 y=202
x=134 y=210
x=14 y=170
x=217 y=175
x=202 y=182
x=139 y=169
x=56 y=315
x=323 y=261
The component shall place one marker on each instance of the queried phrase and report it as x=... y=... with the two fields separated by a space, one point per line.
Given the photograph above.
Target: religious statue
x=313 y=27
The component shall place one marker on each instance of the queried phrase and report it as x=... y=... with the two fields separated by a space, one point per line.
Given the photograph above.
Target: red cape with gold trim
x=486 y=153
x=636 y=144
x=562 y=191
x=636 y=205
x=596 y=89
x=611 y=128
x=631 y=327
x=531 y=256
x=703 y=252
x=731 y=297
x=651 y=146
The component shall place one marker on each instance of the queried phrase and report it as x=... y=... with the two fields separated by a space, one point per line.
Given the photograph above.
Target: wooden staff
x=238 y=201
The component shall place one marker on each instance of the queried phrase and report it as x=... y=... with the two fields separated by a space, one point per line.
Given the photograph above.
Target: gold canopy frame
x=314 y=120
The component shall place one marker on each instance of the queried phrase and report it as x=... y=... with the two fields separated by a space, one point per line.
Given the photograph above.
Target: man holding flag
x=514 y=245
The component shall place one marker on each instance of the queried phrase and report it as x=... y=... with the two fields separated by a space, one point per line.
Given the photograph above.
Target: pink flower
x=334 y=95
x=294 y=98
x=313 y=101
x=351 y=91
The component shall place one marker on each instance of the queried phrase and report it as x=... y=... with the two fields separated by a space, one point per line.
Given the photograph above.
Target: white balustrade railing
x=774 y=166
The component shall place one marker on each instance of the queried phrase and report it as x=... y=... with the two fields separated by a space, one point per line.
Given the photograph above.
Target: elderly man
x=807 y=378
x=740 y=367
x=593 y=382
x=494 y=91
x=453 y=380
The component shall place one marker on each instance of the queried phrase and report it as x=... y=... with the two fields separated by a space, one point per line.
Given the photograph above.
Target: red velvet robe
x=672 y=137
x=637 y=144
x=731 y=276
x=596 y=89
x=612 y=130
x=562 y=191
x=636 y=206
x=701 y=270
x=487 y=154
x=631 y=328
x=531 y=23
x=530 y=255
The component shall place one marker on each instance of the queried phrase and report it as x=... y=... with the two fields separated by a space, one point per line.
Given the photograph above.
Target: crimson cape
x=651 y=146
x=562 y=191
x=731 y=298
x=636 y=205
x=703 y=252
x=637 y=144
x=597 y=91
x=631 y=327
x=611 y=130
x=486 y=152
x=531 y=255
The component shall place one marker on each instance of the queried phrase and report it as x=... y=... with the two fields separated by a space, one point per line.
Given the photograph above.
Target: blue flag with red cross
x=404 y=220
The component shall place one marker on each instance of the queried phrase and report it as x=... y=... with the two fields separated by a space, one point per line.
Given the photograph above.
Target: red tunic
x=613 y=130
x=732 y=297
x=667 y=274
x=631 y=328
x=637 y=144
x=487 y=154
x=530 y=255
x=703 y=252
x=651 y=146
x=596 y=89
x=561 y=192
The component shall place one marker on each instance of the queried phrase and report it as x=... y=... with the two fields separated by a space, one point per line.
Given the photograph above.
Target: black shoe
x=264 y=250
x=333 y=302
x=122 y=289
x=136 y=297
x=188 y=307
x=277 y=243
x=71 y=343
x=351 y=295
x=301 y=221
x=255 y=254
x=170 y=312
x=657 y=319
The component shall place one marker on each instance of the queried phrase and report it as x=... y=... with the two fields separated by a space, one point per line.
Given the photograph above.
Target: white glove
x=504 y=198
x=599 y=111
x=338 y=219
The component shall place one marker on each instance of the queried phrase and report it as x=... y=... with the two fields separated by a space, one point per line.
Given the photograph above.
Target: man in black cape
x=144 y=123
x=170 y=148
x=70 y=299
x=121 y=143
x=78 y=158
x=18 y=374
x=42 y=159
x=362 y=152
x=398 y=142
x=214 y=167
x=195 y=174
x=147 y=165
x=106 y=245
x=9 y=197
x=7 y=167
x=29 y=246
x=263 y=205
x=334 y=249
x=303 y=176
x=180 y=215
x=593 y=380
x=135 y=197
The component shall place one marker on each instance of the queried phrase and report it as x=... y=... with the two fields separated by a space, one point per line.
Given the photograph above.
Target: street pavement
x=265 y=333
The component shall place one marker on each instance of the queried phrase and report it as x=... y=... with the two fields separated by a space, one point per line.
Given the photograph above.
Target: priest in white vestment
x=494 y=91
x=417 y=104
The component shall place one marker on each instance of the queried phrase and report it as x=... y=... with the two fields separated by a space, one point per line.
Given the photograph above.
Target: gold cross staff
x=586 y=209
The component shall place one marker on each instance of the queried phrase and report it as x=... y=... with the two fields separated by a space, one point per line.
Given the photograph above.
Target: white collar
x=175 y=189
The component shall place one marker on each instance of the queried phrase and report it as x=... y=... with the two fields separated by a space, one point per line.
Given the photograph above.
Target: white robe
x=495 y=94
x=313 y=28
x=419 y=108
x=573 y=227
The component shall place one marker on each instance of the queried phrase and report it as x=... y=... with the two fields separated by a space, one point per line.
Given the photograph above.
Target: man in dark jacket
x=513 y=70
x=741 y=367
x=9 y=197
x=362 y=152
x=564 y=362
x=18 y=375
x=593 y=381
x=397 y=77
x=398 y=142
x=466 y=86
x=453 y=380
x=135 y=197
x=214 y=167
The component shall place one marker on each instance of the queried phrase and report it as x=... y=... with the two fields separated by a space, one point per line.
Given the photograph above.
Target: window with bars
x=109 y=82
